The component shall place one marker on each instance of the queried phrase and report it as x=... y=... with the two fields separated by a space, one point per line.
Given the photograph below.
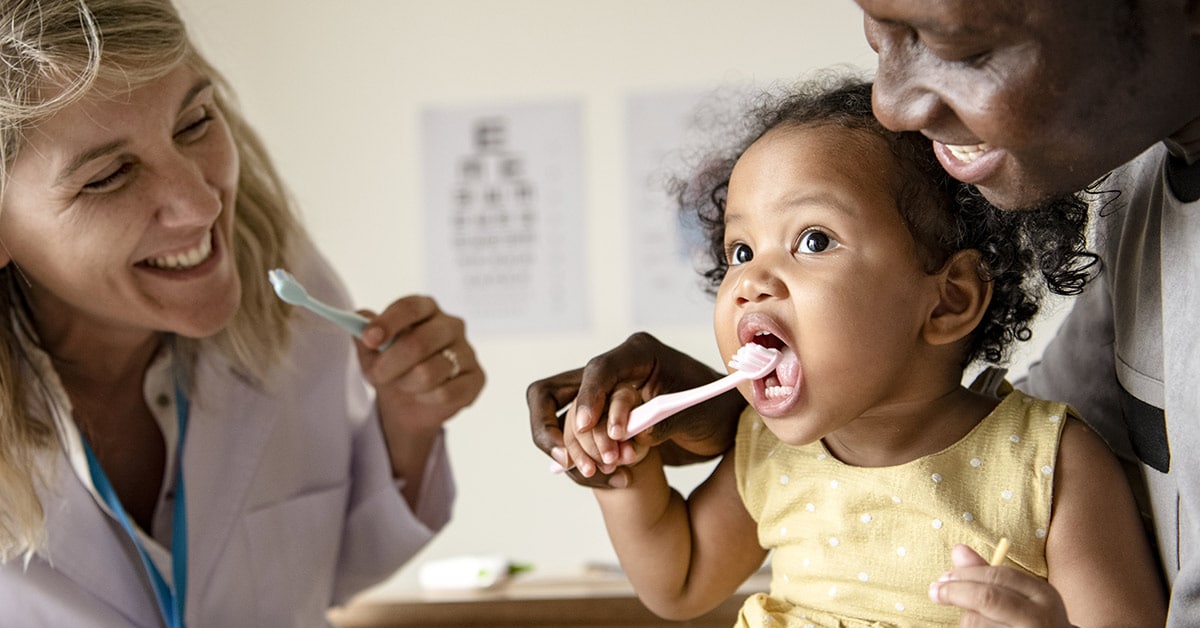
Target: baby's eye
x=814 y=241
x=738 y=253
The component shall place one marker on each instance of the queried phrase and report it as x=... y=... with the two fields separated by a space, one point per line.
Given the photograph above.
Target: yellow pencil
x=1000 y=553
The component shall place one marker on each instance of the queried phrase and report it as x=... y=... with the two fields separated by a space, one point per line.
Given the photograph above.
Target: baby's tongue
x=788 y=371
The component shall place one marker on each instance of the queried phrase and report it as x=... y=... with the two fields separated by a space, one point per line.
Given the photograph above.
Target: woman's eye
x=109 y=181
x=815 y=242
x=739 y=254
x=196 y=128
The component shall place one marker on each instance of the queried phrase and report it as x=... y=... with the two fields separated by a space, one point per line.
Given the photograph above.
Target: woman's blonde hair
x=52 y=54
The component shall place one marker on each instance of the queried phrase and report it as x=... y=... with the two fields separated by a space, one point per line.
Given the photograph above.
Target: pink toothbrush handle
x=648 y=414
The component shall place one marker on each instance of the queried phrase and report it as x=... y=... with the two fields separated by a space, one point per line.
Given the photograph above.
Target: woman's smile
x=184 y=260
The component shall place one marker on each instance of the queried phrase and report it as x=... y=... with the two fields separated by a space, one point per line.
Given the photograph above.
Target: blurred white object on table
x=479 y=571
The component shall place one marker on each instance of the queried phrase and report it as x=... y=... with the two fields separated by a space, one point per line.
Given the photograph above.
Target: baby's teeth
x=774 y=392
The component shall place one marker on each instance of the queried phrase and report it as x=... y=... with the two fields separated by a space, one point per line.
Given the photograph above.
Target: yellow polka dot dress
x=858 y=546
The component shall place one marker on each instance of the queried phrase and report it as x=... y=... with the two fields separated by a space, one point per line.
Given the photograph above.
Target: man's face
x=1031 y=98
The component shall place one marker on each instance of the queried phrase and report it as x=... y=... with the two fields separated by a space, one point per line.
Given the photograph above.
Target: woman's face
x=119 y=213
x=822 y=262
x=1032 y=99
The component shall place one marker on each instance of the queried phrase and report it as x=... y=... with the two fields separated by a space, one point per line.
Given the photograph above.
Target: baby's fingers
x=984 y=604
x=582 y=452
x=999 y=596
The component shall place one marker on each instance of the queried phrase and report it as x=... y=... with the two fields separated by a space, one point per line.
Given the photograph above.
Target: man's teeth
x=967 y=154
x=187 y=259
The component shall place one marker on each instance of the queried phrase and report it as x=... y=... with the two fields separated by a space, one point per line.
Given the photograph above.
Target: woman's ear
x=963 y=298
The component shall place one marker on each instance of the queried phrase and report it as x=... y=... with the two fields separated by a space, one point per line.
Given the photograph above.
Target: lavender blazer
x=291 y=503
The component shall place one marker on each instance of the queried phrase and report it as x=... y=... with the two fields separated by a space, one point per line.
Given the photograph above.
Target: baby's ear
x=963 y=297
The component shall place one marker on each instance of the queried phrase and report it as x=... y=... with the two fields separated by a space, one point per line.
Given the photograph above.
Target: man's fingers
x=622 y=402
x=547 y=400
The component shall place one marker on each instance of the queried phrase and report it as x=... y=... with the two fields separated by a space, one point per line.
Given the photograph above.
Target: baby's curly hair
x=1022 y=253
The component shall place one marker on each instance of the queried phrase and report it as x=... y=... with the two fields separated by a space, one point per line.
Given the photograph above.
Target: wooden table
x=592 y=600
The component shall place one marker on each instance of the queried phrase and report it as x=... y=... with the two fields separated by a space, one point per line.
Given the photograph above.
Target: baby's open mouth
x=780 y=383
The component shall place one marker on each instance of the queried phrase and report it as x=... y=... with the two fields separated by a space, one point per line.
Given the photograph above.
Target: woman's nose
x=185 y=196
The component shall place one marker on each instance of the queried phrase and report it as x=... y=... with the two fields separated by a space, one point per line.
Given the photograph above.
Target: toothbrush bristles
x=755 y=359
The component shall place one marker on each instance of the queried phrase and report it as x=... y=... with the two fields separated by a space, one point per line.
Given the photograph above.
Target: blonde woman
x=177 y=447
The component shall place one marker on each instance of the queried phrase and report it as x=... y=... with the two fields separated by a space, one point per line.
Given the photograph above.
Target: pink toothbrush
x=752 y=361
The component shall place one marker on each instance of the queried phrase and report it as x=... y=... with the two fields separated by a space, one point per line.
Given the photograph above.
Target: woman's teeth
x=187 y=259
x=967 y=154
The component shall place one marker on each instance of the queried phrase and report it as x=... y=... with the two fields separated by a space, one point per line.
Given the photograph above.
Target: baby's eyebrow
x=808 y=200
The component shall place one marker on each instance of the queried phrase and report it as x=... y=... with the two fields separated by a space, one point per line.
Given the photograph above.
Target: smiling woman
x=175 y=442
x=152 y=186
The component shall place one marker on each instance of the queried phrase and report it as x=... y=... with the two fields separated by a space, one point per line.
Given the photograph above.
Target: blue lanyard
x=170 y=602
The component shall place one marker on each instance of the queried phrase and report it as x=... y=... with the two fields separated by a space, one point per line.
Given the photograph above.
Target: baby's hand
x=590 y=449
x=997 y=595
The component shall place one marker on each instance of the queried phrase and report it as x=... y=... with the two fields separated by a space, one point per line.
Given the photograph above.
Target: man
x=1027 y=99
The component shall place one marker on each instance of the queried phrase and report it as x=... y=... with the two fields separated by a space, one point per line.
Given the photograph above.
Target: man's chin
x=1027 y=195
x=1018 y=198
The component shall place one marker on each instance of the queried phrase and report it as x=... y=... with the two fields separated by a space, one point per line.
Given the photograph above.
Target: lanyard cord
x=170 y=602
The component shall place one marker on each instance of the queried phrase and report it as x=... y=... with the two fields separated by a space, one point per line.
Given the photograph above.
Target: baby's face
x=823 y=267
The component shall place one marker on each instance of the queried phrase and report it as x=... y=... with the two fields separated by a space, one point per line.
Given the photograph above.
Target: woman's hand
x=612 y=384
x=997 y=596
x=424 y=376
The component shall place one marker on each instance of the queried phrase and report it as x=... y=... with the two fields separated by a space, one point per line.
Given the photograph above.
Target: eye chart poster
x=666 y=244
x=505 y=208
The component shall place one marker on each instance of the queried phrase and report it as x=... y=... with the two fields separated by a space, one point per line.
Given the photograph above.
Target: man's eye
x=739 y=254
x=975 y=60
x=815 y=242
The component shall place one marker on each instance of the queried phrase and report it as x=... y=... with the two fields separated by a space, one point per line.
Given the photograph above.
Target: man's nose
x=900 y=96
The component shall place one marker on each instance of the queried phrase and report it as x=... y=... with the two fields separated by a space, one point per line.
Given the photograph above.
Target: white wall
x=336 y=89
